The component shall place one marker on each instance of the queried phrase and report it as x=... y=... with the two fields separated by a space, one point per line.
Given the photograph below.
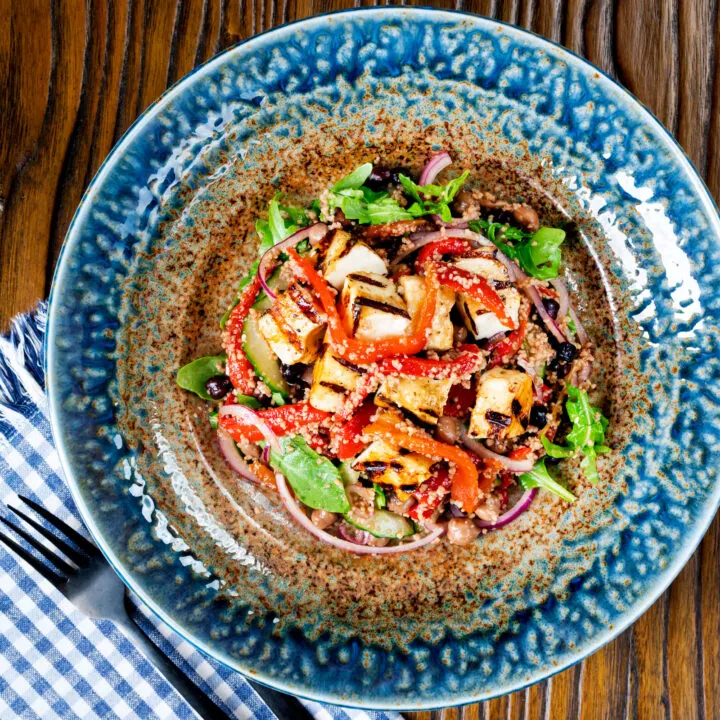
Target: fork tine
x=73 y=534
x=58 y=562
x=57 y=580
x=61 y=545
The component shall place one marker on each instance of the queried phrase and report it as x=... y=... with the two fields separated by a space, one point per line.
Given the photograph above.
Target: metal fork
x=93 y=587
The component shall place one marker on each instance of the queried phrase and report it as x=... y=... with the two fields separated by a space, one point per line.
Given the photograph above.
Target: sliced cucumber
x=263 y=302
x=382 y=524
x=263 y=359
x=348 y=475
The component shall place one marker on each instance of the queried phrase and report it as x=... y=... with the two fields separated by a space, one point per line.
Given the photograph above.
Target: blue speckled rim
x=639 y=607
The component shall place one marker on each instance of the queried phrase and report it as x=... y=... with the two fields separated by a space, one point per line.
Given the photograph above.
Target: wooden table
x=73 y=78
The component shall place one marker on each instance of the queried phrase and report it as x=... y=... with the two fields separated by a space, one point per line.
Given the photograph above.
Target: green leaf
x=313 y=478
x=194 y=375
x=380 y=499
x=355 y=179
x=540 y=256
x=213 y=419
x=539 y=477
x=587 y=435
x=444 y=194
x=556 y=451
x=278 y=398
x=248 y=401
x=538 y=253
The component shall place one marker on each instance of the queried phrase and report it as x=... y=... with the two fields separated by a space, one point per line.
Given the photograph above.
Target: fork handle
x=199 y=702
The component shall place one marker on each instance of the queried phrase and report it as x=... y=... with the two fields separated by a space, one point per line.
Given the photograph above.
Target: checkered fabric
x=54 y=662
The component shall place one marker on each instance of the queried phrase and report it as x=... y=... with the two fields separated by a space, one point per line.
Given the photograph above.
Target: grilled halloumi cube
x=293 y=326
x=482 y=323
x=333 y=378
x=413 y=289
x=371 y=307
x=484 y=264
x=383 y=462
x=425 y=398
x=478 y=320
x=344 y=256
x=504 y=400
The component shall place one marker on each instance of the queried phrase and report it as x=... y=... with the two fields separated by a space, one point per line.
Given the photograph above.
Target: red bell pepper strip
x=237 y=366
x=284 y=420
x=460 y=400
x=474 y=285
x=506 y=349
x=465 y=489
x=347 y=438
x=468 y=362
x=430 y=495
x=446 y=246
x=519 y=453
x=367 y=351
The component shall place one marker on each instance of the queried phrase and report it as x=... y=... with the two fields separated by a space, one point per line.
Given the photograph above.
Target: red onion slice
x=233 y=457
x=581 y=333
x=550 y=324
x=515 y=511
x=435 y=166
x=516 y=466
x=563 y=296
x=296 y=511
x=246 y=415
x=314 y=233
x=420 y=239
x=361 y=537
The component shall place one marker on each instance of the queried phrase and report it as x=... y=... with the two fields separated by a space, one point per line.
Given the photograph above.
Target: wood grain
x=74 y=75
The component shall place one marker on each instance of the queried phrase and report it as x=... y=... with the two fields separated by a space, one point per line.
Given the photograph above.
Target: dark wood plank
x=75 y=75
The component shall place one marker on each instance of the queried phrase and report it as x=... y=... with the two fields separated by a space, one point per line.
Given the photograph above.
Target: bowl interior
x=153 y=259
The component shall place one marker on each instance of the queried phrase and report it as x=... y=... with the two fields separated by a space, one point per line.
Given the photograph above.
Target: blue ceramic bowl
x=151 y=260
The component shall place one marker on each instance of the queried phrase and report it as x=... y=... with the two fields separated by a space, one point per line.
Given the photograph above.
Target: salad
x=400 y=362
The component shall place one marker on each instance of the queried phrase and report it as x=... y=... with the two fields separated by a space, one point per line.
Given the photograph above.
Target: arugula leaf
x=541 y=255
x=444 y=194
x=248 y=401
x=539 y=477
x=355 y=179
x=538 y=253
x=271 y=231
x=313 y=478
x=195 y=374
x=587 y=435
x=380 y=499
x=368 y=207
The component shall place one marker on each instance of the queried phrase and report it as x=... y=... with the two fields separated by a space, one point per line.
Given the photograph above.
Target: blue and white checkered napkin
x=54 y=662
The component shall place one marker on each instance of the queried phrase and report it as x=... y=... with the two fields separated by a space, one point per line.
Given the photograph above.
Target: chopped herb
x=380 y=499
x=248 y=401
x=213 y=419
x=278 y=398
x=539 y=477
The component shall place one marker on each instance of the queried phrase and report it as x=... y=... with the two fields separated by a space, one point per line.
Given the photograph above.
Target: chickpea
x=490 y=509
x=527 y=217
x=448 y=430
x=462 y=531
x=322 y=519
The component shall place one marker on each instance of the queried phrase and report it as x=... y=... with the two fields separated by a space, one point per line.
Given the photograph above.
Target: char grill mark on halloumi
x=333 y=379
x=293 y=326
x=371 y=307
x=425 y=398
x=502 y=408
x=344 y=257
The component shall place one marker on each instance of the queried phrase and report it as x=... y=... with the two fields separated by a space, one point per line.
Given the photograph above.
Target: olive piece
x=566 y=352
x=293 y=374
x=218 y=386
x=552 y=307
x=539 y=416
x=381 y=177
